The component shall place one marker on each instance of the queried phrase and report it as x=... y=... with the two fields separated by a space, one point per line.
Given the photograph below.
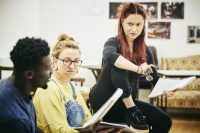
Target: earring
x=56 y=69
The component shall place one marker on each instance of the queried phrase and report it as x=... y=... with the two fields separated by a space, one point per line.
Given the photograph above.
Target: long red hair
x=139 y=50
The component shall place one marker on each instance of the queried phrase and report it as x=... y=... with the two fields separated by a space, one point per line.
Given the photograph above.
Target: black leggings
x=158 y=121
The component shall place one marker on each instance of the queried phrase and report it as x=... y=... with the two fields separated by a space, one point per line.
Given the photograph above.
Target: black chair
x=5 y=65
x=142 y=82
x=77 y=80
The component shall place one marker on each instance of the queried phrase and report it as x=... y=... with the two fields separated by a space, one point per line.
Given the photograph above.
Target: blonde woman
x=61 y=106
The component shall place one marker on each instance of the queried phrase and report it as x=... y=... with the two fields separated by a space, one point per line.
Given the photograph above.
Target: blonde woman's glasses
x=69 y=62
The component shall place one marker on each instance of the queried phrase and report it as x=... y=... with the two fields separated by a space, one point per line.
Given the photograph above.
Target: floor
x=182 y=125
x=181 y=122
x=185 y=124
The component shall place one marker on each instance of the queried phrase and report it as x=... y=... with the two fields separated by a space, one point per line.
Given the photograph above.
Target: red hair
x=139 y=50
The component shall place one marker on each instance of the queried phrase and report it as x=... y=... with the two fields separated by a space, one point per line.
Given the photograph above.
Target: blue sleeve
x=15 y=126
x=111 y=51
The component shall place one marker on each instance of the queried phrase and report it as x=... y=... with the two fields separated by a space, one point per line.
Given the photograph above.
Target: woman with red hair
x=125 y=58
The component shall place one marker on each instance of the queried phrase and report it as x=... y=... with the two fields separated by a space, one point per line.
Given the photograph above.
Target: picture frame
x=172 y=10
x=159 y=30
x=114 y=9
x=193 y=34
x=151 y=9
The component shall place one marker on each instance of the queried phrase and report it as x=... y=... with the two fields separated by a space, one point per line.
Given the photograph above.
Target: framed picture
x=159 y=30
x=114 y=9
x=172 y=10
x=151 y=9
x=194 y=34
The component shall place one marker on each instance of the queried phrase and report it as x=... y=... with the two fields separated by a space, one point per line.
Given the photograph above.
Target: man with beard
x=32 y=65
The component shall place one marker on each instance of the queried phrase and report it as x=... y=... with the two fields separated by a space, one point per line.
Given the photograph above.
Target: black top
x=104 y=87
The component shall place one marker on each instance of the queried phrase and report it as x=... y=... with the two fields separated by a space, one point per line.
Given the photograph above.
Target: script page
x=164 y=84
x=103 y=110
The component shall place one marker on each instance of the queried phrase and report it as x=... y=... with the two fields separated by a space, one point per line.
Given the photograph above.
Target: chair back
x=154 y=52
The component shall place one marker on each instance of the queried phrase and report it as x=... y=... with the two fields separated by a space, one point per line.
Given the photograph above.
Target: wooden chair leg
x=79 y=80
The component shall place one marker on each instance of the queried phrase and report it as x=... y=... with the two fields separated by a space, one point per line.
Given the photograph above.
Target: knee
x=167 y=123
x=161 y=126
x=126 y=93
x=119 y=78
x=119 y=75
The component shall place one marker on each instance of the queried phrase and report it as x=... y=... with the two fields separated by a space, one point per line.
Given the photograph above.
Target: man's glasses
x=69 y=62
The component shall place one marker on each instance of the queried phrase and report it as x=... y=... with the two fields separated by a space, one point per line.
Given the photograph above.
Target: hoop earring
x=56 y=69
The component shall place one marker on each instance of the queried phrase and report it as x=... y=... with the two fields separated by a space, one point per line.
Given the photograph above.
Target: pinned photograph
x=114 y=9
x=151 y=9
x=172 y=10
x=159 y=30
x=194 y=34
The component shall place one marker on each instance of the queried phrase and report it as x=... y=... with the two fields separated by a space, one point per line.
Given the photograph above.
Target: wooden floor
x=184 y=121
x=185 y=124
x=182 y=124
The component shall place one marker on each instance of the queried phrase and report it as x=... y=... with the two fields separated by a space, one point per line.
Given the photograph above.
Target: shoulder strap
x=73 y=89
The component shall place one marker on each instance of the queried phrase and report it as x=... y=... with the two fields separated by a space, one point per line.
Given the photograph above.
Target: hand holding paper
x=168 y=93
x=165 y=84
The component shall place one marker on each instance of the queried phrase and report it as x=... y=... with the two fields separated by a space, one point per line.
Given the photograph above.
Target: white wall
x=87 y=21
x=18 y=18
